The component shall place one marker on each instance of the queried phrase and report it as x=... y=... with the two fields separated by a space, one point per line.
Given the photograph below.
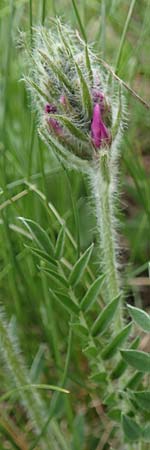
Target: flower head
x=70 y=92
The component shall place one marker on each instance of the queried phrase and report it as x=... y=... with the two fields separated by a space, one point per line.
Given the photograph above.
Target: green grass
x=33 y=184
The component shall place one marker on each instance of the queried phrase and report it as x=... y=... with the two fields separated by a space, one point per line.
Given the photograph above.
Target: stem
x=102 y=182
x=19 y=374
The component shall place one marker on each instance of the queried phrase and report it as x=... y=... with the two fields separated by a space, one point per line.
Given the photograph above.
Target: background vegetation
x=34 y=185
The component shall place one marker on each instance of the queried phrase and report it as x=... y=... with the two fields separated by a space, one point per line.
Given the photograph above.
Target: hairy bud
x=69 y=89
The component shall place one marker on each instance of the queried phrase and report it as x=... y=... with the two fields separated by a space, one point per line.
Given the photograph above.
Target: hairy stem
x=102 y=183
x=14 y=363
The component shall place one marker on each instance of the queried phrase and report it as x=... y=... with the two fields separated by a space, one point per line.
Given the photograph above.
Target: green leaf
x=52 y=274
x=143 y=399
x=122 y=365
x=137 y=359
x=86 y=96
x=42 y=255
x=92 y=294
x=65 y=301
x=75 y=131
x=131 y=429
x=90 y=350
x=37 y=366
x=117 y=123
x=111 y=348
x=38 y=234
x=79 y=329
x=57 y=71
x=80 y=266
x=36 y=88
x=134 y=381
x=88 y=64
x=31 y=386
x=59 y=248
x=115 y=414
x=105 y=317
x=99 y=377
x=140 y=317
x=146 y=434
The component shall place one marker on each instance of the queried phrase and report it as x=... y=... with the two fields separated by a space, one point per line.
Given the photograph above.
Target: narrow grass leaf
x=60 y=243
x=105 y=317
x=65 y=301
x=81 y=27
x=137 y=359
x=38 y=234
x=111 y=348
x=131 y=429
x=140 y=317
x=27 y=387
x=80 y=266
x=92 y=294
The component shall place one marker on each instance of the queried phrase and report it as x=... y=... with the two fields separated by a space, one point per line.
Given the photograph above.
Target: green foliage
x=105 y=317
x=80 y=267
x=51 y=283
x=92 y=293
x=140 y=317
x=142 y=399
x=118 y=340
x=137 y=359
x=131 y=429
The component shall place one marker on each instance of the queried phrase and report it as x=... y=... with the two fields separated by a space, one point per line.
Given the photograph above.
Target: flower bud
x=70 y=93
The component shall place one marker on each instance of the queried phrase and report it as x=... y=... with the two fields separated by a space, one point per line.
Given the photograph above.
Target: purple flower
x=99 y=133
x=49 y=108
x=54 y=124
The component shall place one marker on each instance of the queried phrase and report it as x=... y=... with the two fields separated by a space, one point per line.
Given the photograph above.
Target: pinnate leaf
x=92 y=293
x=38 y=234
x=111 y=348
x=143 y=399
x=80 y=266
x=140 y=317
x=122 y=364
x=105 y=317
x=65 y=301
x=131 y=429
x=59 y=248
x=137 y=359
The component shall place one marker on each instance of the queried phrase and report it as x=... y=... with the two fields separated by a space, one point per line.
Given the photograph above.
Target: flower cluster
x=70 y=93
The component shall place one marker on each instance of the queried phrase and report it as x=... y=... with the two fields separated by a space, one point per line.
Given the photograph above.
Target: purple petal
x=99 y=132
x=49 y=108
x=55 y=125
x=63 y=100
